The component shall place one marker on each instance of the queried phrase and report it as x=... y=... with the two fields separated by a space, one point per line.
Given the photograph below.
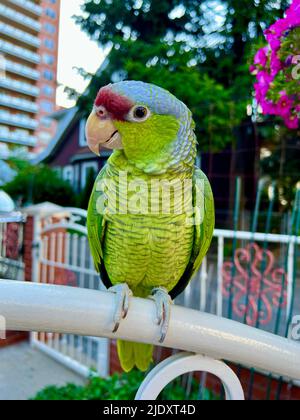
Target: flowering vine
x=277 y=69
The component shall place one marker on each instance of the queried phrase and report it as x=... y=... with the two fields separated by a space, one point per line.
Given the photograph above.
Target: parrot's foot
x=163 y=303
x=123 y=294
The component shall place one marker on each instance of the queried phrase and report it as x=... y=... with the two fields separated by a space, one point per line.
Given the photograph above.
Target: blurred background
x=54 y=57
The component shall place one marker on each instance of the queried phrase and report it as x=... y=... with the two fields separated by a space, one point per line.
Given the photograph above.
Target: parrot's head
x=152 y=127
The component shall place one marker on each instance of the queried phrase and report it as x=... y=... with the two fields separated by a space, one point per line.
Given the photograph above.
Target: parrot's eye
x=139 y=114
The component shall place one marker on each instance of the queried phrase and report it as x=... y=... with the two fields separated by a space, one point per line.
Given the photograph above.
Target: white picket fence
x=62 y=257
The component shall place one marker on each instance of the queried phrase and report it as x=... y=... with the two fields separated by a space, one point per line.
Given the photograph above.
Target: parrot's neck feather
x=119 y=162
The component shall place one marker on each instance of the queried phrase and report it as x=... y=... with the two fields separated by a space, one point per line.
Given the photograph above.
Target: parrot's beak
x=101 y=133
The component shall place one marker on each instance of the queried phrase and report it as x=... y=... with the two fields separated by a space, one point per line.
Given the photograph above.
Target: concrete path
x=25 y=371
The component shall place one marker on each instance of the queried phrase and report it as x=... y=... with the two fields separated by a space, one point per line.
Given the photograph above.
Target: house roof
x=66 y=119
x=65 y=122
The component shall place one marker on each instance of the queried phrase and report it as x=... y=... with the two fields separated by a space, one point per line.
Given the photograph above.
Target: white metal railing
x=9 y=48
x=63 y=310
x=62 y=257
x=18 y=103
x=16 y=137
x=19 y=18
x=21 y=69
x=18 y=120
x=28 y=5
x=22 y=87
x=221 y=236
x=20 y=35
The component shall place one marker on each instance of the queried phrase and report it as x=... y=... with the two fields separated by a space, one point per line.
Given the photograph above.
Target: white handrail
x=59 y=309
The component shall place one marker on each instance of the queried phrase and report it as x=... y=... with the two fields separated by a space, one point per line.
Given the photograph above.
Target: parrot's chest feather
x=149 y=237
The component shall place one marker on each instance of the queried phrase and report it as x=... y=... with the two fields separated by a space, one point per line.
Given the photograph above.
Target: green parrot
x=151 y=213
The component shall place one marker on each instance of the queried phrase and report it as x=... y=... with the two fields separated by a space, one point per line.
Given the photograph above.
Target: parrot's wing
x=204 y=221
x=96 y=222
x=204 y=218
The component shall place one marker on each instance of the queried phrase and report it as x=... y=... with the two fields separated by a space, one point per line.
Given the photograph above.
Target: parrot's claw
x=163 y=303
x=123 y=294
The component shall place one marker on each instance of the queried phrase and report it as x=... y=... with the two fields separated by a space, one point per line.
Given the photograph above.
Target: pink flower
x=268 y=107
x=276 y=30
x=276 y=65
x=292 y=122
x=275 y=44
x=293 y=13
x=284 y=106
x=264 y=81
x=261 y=57
x=267 y=65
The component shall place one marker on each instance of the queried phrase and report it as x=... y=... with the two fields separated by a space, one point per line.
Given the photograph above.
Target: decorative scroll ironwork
x=182 y=363
x=256 y=283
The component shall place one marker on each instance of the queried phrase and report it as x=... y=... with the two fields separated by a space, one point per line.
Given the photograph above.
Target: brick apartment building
x=29 y=32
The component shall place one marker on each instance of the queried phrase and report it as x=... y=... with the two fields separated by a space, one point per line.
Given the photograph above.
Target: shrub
x=36 y=184
x=119 y=387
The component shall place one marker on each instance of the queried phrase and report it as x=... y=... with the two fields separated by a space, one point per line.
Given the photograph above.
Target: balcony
x=16 y=137
x=21 y=70
x=20 y=87
x=23 y=20
x=18 y=103
x=7 y=47
x=20 y=35
x=28 y=5
x=18 y=120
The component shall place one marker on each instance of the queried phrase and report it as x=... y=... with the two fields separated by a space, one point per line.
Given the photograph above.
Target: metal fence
x=249 y=277
x=63 y=258
x=253 y=278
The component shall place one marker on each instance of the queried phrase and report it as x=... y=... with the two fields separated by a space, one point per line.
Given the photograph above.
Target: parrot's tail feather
x=135 y=355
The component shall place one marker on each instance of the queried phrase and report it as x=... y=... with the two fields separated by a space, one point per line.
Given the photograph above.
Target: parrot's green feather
x=204 y=218
x=96 y=224
x=135 y=355
x=152 y=249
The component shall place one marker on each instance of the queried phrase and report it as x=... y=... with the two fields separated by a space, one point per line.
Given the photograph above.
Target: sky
x=75 y=50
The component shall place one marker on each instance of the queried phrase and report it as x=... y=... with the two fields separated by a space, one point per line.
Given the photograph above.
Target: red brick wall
x=259 y=390
x=28 y=241
x=13 y=337
x=260 y=381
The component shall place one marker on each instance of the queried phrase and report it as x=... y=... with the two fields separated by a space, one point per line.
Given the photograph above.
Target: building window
x=50 y=13
x=82 y=138
x=47 y=106
x=86 y=170
x=46 y=122
x=48 y=75
x=68 y=174
x=48 y=59
x=50 y=28
x=49 y=43
x=44 y=137
x=48 y=90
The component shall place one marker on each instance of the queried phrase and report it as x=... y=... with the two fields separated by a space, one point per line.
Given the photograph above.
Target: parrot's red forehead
x=115 y=104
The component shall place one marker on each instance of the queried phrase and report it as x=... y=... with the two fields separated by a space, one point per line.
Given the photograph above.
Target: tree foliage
x=197 y=49
x=37 y=184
